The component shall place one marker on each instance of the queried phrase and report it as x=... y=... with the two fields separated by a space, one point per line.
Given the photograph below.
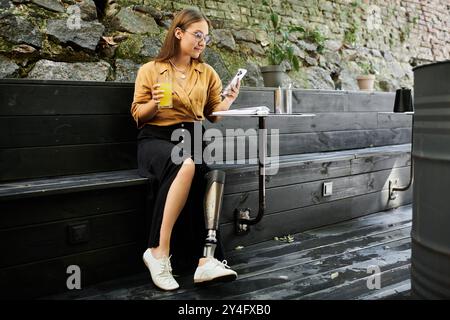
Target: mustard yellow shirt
x=194 y=100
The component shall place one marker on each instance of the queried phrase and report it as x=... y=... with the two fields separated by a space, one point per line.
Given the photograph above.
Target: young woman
x=177 y=218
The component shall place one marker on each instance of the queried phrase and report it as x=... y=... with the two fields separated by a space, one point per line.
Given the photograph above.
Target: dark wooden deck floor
x=326 y=263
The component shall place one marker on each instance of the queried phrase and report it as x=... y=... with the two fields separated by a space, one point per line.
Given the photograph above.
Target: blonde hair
x=182 y=20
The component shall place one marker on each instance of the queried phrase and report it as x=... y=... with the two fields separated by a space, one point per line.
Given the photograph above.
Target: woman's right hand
x=157 y=94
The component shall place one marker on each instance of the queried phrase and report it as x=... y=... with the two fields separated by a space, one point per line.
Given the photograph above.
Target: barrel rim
x=431 y=64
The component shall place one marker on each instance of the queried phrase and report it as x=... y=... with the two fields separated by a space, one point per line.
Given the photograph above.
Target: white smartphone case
x=239 y=75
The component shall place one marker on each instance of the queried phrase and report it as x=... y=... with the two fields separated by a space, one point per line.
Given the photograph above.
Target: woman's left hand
x=233 y=92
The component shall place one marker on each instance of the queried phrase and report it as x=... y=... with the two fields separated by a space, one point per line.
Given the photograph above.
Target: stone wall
x=109 y=39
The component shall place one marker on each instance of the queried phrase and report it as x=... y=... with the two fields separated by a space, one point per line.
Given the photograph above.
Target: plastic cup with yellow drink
x=165 y=83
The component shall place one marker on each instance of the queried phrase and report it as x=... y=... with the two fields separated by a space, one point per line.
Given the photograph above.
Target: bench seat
x=68 y=184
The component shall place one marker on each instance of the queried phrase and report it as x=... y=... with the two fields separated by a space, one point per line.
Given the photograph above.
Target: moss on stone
x=232 y=60
x=130 y=48
x=162 y=34
x=35 y=12
x=24 y=71
x=382 y=85
x=5 y=46
x=51 y=49
x=300 y=79
x=128 y=3
x=64 y=53
x=158 y=4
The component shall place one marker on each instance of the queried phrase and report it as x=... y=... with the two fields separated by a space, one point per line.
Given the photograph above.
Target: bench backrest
x=51 y=128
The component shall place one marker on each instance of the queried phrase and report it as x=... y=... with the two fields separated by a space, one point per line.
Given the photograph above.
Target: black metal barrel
x=430 y=262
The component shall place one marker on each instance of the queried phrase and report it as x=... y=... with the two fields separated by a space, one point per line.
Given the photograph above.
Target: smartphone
x=239 y=75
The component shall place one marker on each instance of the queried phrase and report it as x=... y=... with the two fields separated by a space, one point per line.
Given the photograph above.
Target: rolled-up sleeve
x=214 y=95
x=142 y=93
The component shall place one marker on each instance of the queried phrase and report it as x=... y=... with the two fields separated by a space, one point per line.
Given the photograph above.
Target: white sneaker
x=215 y=270
x=161 y=271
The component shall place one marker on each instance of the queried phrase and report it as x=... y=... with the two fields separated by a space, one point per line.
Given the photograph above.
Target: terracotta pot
x=366 y=82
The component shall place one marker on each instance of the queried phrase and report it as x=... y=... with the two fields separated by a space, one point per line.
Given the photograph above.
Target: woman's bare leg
x=175 y=201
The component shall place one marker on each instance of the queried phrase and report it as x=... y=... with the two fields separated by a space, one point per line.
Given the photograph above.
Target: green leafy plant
x=280 y=48
x=355 y=3
x=316 y=37
x=368 y=68
x=350 y=34
x=406 y=31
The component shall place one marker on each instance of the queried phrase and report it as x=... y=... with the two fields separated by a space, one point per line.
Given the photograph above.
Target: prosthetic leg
x=212 y=207
x=213 y=270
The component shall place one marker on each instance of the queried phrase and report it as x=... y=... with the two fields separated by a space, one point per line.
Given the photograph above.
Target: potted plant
x=279 y=50
x=367 y=79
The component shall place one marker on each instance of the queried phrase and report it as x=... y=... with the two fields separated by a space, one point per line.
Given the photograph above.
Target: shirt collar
x=164 y=66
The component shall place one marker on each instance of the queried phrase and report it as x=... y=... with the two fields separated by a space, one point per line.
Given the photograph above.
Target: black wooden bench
x=69 y=189
x=70 y=193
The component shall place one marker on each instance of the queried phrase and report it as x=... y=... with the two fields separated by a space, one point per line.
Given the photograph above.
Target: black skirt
x=155 y=162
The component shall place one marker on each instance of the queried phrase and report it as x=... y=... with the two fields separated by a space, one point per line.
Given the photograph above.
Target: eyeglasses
x=200 y=36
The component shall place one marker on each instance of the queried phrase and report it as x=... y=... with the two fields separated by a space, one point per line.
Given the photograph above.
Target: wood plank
x=357 y=287
x=393 y=218
x=319 y=101
x=298 y=143
x=397 y=291
x=246 y=179
x=279 y=271
x=324 y=121
x=47 y=82
x=60 y=130
x=41 y=131
x=380 y=161
x=57 y=97
x=394 y=120
x=242 y=179
x=69 y=184
x=64 y=160
x=19 y=213
x=46 y=98
x=102 y=94
x=292 y=169
x=237 y=181
x=258 y=267
x=310 y=251
x=342 y=232
x=119 y=284
x=350 y=267
x=301 y=219
x=335 y=101
x=249 y=96
x=341 y=140
x=21 y=163
x=373 y=101
x=298 y=273
x=335 y=237
x=51 y=240
x=302 y=195
x=286 y=160
x=321 y=286
x=48 y=277
x=321 y=122
x=395 y=275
